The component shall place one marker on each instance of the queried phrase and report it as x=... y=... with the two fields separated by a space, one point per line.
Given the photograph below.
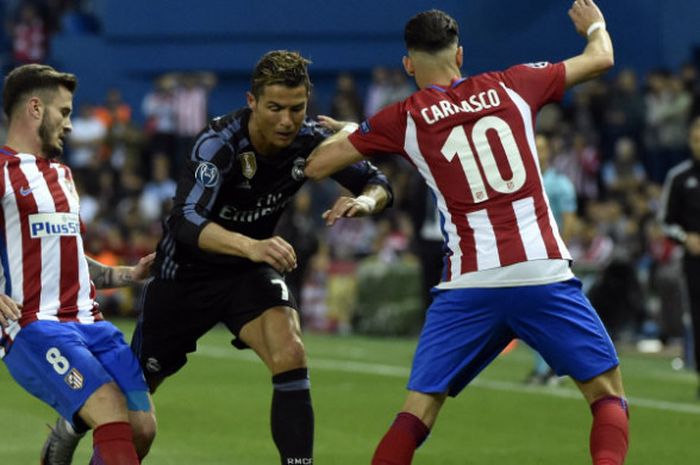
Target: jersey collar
x=454 y=84
x=5 y=150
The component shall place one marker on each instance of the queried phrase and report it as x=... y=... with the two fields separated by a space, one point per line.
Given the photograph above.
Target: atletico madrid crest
x=74 y=379
x=248 y=164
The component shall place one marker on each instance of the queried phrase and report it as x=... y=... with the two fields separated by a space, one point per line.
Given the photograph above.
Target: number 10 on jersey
x=457 y=143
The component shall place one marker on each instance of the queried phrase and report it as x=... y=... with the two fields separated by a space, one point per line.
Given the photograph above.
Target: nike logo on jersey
x=25 y=191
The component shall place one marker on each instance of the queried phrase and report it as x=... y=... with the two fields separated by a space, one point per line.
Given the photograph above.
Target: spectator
x=624 y=113
x=378 y=92
x=346 y=104
x=158 y=107
x=30 y=36
x=624 y=173
x=158 y=193
x=86 y=141
x=668 y=108
x=191 y=96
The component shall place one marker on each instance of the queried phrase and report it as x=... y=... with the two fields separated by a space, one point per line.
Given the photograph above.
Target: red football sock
x=400 y=442
x=610 y=431
x=113 y=444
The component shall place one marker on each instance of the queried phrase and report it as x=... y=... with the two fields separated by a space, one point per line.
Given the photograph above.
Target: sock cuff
x=413 y=425
x=595 y=406
x=115 y=431
x=292 y=380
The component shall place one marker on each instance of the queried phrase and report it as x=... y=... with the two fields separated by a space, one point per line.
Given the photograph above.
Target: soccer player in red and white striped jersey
x=53 y=338
x=507 y=271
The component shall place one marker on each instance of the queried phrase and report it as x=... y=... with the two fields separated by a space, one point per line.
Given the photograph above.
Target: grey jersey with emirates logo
x=227 y=182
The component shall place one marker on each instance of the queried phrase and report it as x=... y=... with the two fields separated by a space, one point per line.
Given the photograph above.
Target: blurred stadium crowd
x=614 y=138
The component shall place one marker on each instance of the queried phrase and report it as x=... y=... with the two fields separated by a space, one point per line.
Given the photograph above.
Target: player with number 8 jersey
x=53 y=339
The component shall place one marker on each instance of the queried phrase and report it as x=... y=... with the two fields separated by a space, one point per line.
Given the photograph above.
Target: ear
x=35 y=107
x=408 y=66
x=250 y=99
x=459 y=57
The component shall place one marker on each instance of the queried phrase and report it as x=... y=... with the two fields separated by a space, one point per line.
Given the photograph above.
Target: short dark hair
x=280 y=67
x=431 y=31
x=31 y=78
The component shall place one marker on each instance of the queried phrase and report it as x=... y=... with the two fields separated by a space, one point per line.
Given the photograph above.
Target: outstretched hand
x=692 y=243
x=331 y=123
x=142 y=269
x=274 y=251
x=9 y=310
x=583 y=13
x=347 y=207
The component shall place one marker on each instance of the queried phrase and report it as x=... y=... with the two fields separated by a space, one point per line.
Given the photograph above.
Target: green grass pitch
x=216 y=410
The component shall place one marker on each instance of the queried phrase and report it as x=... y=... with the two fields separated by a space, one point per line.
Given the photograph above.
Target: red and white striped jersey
x=474 y=144
x=41 y=249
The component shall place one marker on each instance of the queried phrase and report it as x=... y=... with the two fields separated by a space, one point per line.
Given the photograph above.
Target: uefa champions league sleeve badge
x=207 y=174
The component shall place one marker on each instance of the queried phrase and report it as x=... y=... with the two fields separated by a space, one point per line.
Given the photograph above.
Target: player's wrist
x=367 y=201
x=594 y=27
x=349 y=127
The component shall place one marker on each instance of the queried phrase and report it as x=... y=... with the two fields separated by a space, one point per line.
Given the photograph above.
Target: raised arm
x=597 y=57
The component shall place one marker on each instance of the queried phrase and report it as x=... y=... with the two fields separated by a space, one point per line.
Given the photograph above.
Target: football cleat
x=60 y=445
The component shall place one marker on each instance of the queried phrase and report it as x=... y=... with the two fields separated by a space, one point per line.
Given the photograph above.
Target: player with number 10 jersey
x=474 y=144
x=507 y=271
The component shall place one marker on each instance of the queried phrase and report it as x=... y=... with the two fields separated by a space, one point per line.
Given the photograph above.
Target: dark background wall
x=142 y=38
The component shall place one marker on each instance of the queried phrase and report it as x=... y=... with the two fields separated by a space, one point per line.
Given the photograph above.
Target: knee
x=144 y=430
x=608 y=384
x=292 y=355
x=106 y=405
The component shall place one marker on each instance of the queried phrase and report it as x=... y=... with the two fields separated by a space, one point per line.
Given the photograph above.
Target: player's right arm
x=597 y=57
x=274 y=251
x=197 y=190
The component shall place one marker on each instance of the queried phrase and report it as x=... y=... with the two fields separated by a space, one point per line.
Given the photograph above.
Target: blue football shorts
x=466 y=329
x=64 y=363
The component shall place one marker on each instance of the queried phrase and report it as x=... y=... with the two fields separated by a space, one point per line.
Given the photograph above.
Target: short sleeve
x=538 y=83
x=383 y=133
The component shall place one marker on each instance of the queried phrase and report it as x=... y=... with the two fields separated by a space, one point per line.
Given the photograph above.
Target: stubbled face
x=55 y=123
x=277 y=116
x=694 y=138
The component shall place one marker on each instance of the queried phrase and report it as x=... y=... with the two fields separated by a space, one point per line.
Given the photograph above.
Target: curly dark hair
x=280 y=67
x=33 y=78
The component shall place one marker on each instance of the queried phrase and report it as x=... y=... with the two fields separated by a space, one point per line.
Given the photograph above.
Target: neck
x=258 y=141
x=20 y=140
x=440 y=74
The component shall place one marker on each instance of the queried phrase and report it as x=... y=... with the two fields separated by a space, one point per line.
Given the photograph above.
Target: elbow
x=607 y=63
x=604 y=63
x=314 y=172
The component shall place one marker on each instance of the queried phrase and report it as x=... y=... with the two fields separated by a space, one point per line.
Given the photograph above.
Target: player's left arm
x=105 y=276
x=597 y=57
